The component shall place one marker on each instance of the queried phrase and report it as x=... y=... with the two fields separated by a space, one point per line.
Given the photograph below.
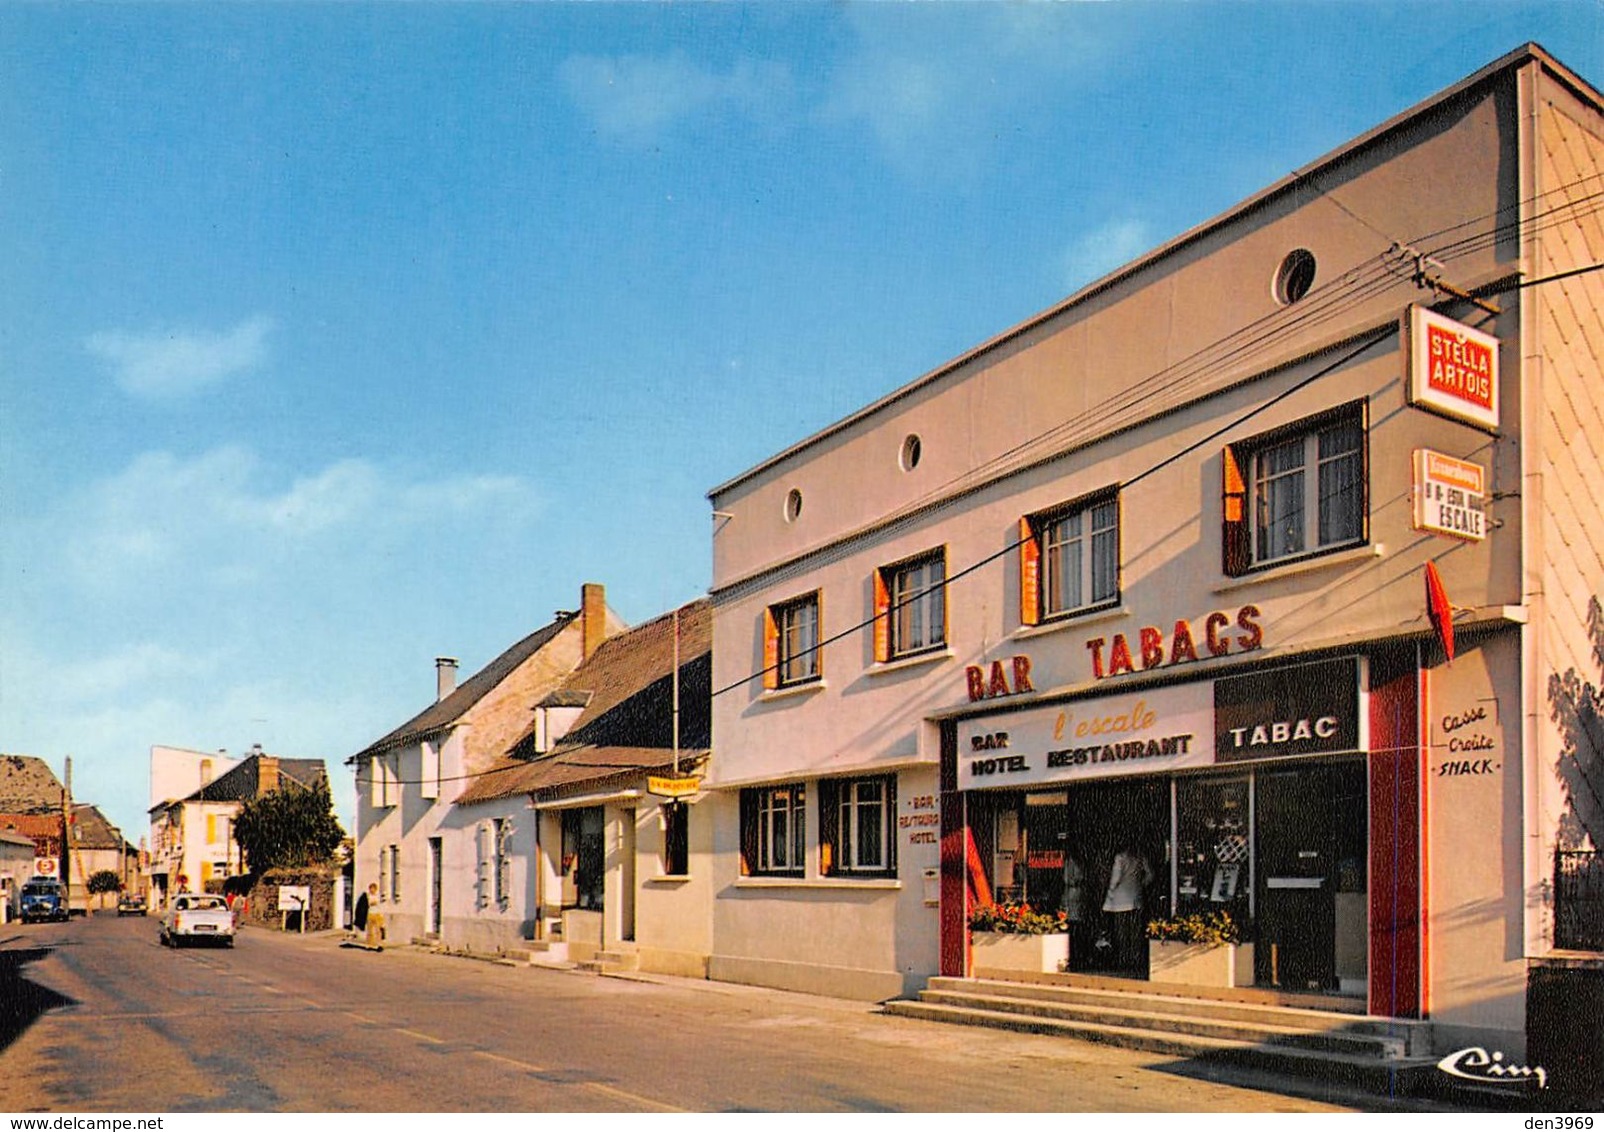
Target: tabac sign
x=1448 y=496
x=1304 y=709
x=1453 y=369
x=1157 y=730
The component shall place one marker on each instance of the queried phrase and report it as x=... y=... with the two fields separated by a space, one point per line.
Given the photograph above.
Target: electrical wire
x=1360 y=283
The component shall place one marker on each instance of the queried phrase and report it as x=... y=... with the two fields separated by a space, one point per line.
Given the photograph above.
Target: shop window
x=1296 y=492
x=1069 y=559
x=676 y=838
x=773 y=829
x=1212 y=859
x=911 y=606
x=791 y=642
x=855 y=829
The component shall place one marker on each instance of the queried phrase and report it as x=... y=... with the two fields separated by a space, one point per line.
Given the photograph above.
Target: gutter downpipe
x=1529 y=132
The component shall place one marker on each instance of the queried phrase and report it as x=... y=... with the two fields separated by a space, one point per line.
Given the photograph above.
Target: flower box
x=1012 y=951
x=1200 y=964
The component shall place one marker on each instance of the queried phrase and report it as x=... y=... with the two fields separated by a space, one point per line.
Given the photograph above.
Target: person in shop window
x=1074 y=903
x=1128 y=879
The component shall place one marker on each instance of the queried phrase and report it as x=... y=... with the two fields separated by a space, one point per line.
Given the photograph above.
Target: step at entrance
x=1334 y=1045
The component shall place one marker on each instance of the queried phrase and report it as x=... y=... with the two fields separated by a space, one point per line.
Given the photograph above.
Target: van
x=43 y=898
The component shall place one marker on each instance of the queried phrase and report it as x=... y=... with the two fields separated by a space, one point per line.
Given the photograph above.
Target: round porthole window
x=911 y=451
x=793 y=505
x=1295 y=276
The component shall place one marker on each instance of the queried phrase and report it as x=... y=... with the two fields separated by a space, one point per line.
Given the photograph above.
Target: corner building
x=1151 y=570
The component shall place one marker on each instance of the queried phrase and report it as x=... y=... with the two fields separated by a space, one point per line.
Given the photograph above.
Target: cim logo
x=1476 y=1064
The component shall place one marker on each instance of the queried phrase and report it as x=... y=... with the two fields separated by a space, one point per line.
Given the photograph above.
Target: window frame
x=1037 y=555
x=889 y=643
x=757 y=841
x=779 y=656
x=841 y=812
x=1247 y=486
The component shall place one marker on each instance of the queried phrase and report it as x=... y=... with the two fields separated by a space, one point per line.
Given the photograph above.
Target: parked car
x=43 y=898
x=197 y=918
x=131 y=905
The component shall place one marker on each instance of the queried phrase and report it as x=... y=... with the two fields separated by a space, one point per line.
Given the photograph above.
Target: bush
x=1200 y=927
x=104 y=881
x=1017 y=919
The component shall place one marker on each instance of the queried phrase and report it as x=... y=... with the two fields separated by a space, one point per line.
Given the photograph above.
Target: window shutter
x=1235 y=529
x=771 y=651
x=882 y=618
x=748 y=832
x=1029 y=574
x=829 y=827
x=818 y=634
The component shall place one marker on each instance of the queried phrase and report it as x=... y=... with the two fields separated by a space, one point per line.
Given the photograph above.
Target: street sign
x=672 y=787
x=1448 y=496
x=44 y=866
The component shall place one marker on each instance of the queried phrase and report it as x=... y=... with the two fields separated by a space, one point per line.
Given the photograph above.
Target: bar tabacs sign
x=1453 y=369
x=1448 y=496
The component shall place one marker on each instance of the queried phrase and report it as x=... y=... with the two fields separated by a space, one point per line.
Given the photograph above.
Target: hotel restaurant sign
x=1306 y=709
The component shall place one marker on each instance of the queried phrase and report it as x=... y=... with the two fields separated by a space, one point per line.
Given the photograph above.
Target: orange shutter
x=882 y=618
x=1234 y=529
x=1029 y=574
x=771 y=651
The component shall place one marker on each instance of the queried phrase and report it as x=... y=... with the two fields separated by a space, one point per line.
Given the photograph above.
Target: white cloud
x=635 y=98
x=217 y=517
x=176 y=362
x=936 y=84
x=1101 y=250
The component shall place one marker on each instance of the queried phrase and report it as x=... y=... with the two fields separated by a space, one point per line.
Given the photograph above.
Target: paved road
x=96 y=1017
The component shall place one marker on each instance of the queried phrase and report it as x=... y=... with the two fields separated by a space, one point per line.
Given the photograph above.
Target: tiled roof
x=33 y=825
x=445 y=712
x=243 y=782
x=626 y=726
x=97 y=832
x=27 y=785
x=14 y=838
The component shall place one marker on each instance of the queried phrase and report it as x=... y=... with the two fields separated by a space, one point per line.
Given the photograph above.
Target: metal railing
x=1578 y=900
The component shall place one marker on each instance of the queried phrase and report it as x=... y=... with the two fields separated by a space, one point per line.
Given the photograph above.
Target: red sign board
x=1453 y=368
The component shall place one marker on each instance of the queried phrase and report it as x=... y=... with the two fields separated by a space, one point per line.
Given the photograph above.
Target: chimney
x=445 y=677
x=592 y=617
x=266 y=773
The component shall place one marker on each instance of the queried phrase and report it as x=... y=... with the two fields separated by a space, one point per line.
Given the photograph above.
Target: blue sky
x=337 y=337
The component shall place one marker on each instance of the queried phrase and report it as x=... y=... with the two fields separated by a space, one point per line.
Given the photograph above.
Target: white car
x=197 y=917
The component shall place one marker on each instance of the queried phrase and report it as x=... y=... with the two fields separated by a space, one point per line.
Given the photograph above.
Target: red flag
x=1439 y=610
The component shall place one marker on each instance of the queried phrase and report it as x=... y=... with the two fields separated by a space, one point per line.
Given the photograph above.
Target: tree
x=290 y=827
x=104 y=881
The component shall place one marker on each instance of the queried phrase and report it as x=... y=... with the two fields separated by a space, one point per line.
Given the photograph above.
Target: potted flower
x=1009 y=938
x=1202 y=949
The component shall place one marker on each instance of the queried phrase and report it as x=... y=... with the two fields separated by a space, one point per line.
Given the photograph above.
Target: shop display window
x=1213 y=863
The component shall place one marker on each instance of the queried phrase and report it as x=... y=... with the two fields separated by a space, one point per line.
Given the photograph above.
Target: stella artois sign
x=1453 y=369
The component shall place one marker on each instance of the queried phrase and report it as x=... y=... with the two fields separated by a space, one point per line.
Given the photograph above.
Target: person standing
x=1074 y=905
x=1127 y=890
x=359 y=914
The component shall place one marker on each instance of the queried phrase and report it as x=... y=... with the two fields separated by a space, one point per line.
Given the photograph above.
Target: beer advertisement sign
x=1448 y=496
x=1453 y=368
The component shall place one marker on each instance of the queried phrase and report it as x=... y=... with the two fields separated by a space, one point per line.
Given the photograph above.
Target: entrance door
x=1106 y=818
x=584 y=857
x=436 y=861
x=1305 y=817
